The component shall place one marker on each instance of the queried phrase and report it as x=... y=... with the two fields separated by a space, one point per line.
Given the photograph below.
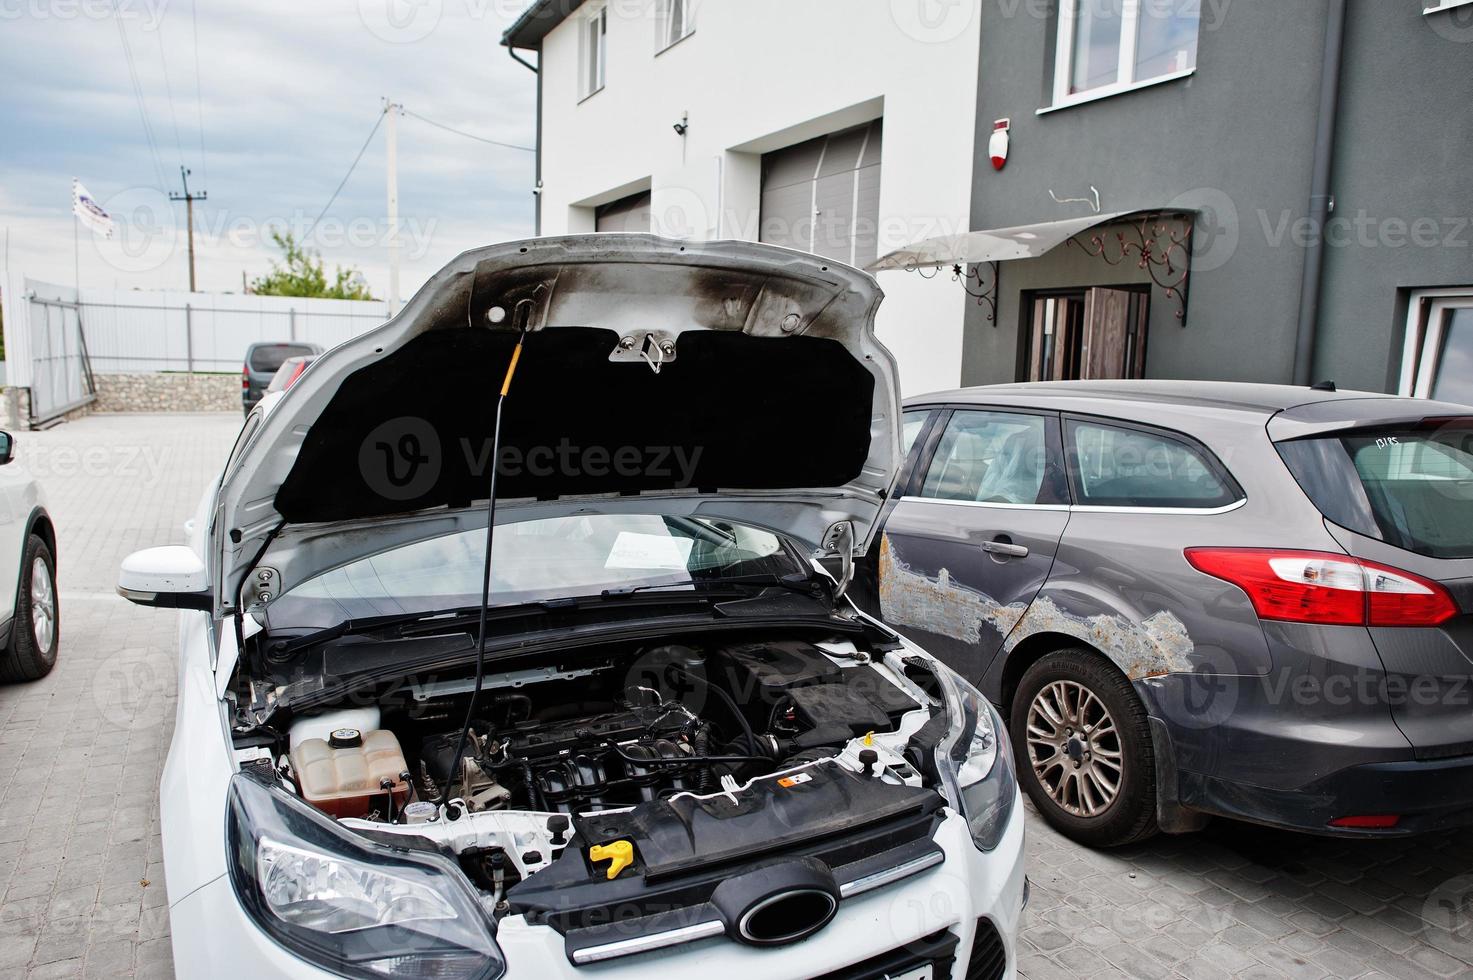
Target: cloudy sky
x=285 y=95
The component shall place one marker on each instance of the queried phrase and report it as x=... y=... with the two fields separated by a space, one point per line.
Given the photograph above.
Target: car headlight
x=348 y=904
x=975 y=760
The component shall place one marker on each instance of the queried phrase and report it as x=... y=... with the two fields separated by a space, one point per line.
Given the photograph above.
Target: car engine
x=549 y=747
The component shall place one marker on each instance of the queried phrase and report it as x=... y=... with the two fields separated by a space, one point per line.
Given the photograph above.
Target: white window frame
x=593 y=52
x=665 y=18
x=1442 y=5
x=1427 y=314
x=1125 y=70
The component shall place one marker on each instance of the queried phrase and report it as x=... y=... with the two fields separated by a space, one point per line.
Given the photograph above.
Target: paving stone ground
x=81 y=879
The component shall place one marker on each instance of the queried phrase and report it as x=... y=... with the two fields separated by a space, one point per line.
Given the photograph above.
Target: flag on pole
x=89 y=212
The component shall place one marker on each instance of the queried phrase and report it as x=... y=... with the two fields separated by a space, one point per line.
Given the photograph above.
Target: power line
x=376 y=123
x=473 y=136
x=199 y=102
x=169 y=91
x=158 y=166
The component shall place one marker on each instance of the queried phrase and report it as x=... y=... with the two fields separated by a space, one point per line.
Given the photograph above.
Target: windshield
x=535 y=560
x=1412 y=487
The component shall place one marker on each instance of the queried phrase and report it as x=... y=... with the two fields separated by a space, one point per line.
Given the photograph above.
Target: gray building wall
x=1236 y=139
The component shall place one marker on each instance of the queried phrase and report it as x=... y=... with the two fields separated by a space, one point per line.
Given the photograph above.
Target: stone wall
x=167 y=393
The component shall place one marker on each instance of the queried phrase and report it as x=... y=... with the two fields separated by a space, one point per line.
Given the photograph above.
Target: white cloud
x=289 y=92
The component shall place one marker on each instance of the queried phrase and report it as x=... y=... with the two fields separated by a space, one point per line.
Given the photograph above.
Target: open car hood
x=773 y=404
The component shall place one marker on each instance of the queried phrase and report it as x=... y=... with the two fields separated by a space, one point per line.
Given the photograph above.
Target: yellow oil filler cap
x=619 y=854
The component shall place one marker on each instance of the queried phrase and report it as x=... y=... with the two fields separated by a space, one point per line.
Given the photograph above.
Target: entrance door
x=1093 y=333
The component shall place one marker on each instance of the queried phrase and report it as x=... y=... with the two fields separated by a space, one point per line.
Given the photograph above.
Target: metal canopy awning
x=993 y=245
x=1156 y=241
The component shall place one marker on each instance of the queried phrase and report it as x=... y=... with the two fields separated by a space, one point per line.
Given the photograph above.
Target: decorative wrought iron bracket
x=1155 y=246
x=983 y=293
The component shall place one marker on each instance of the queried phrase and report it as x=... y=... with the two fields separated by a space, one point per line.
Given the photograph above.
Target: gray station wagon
x=1197 y=599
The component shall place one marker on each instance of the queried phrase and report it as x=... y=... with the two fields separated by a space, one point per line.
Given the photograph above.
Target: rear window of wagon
x=1411 y=487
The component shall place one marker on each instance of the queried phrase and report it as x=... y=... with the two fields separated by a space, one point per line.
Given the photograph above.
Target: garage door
x=630 y=213
x=823 y=196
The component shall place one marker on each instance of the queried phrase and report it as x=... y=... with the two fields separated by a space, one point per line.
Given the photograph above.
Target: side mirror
x=7 y=448
x=172 y=577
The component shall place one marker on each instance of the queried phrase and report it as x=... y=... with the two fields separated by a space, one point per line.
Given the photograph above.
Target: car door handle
x=1005 y=549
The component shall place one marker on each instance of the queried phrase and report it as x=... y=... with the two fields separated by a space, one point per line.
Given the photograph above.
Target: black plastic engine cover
x=684 y=847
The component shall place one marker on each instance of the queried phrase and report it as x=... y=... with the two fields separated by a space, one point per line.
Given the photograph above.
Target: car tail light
x=296 y=373
x=1379 y=821
x=1326 y=589
x=245 y=378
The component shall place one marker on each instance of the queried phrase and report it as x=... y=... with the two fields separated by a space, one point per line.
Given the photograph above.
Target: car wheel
x=35 y=632
x=1083 y=748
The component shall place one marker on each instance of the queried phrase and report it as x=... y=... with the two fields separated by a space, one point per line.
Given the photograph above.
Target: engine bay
x=588 y=755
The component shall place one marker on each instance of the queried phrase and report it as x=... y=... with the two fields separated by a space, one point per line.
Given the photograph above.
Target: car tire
x=1101 y=740
x=35 y=632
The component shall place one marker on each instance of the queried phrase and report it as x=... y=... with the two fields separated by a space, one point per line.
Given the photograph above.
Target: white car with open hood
x=650 y=732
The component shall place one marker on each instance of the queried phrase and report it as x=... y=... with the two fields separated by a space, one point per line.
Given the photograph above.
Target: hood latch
x=656 y=348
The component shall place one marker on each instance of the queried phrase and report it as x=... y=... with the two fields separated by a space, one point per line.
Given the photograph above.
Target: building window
x=1438 y=360
x=594 y=51
x=677 y=22
x=1108 y=46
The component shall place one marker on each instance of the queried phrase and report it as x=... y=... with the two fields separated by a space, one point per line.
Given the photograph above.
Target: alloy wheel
x=43 y=605
x=1074 y=748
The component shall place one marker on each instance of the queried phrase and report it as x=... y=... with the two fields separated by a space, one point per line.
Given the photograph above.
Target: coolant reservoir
x=343 y=775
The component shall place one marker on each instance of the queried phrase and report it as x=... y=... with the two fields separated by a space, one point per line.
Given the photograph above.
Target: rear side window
x=995 y=457
x=271 y=356
x=1409 y=487
x=1119 y=466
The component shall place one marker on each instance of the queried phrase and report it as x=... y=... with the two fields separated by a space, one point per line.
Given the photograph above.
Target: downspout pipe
x=537 y=187
x=1321 y=200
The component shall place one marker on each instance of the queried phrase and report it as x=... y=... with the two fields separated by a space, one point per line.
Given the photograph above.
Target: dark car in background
x=262 y=361
x=1198 y=599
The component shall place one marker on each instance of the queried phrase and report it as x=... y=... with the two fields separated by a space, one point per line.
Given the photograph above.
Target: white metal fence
x=135 y=331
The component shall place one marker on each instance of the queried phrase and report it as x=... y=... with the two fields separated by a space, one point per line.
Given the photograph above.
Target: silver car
x=1197 y=599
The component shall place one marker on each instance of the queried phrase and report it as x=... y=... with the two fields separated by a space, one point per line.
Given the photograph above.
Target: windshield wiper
x=794 y=581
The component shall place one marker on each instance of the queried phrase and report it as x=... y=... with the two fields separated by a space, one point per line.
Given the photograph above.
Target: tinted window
x=270 y=356
x=1123 y=467
x=910 y=429
x=992 y=457
x=1412 y=488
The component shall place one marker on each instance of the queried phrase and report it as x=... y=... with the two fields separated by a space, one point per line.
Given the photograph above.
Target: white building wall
x=758 y=75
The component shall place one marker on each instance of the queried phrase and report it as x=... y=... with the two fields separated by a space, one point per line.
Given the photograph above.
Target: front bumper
x=213 y=937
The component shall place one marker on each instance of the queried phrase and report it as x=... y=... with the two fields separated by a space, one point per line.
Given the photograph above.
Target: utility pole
x=391 y=167
x=188 y=200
